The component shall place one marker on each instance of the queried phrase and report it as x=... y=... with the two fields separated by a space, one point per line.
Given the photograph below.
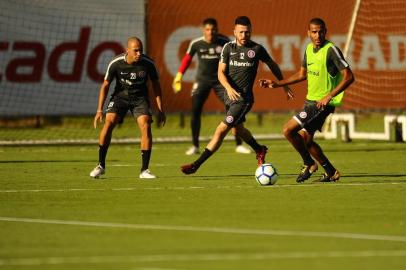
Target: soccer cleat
x=96 y=172
x=189 y=168
x=192 y=151
x=329 y=178
x=146 y=174
x=261 y=155
x=242 y=149
x=306 y=172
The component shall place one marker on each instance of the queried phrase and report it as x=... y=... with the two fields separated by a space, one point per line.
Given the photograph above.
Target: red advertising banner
x=376 y=53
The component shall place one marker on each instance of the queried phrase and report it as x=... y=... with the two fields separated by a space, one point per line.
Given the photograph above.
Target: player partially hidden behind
x=208 y=49
x=237 y=71
x=131 y=71
x=328 y=75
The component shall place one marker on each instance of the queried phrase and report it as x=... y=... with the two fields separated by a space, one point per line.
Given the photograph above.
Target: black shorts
x=236 y=111
x=311 y=118
x=201 y=90
x=136 y=105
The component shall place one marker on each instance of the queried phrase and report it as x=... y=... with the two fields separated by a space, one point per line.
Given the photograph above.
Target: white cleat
x=192 y=151
x=242 y=149
x=99 y=170
x=146 y=174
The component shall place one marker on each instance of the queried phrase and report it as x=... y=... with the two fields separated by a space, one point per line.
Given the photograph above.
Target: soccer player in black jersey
x=237 y=71
x=131 y=70
x=208 y=49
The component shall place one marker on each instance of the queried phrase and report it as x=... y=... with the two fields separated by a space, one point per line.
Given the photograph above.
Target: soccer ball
x=266 y=175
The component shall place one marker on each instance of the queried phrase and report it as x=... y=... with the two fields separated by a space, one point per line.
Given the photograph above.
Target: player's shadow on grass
x=223 y=177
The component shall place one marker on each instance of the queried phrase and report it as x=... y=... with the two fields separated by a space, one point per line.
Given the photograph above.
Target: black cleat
x=189 y=168
x=329 y=178
x=307 y=171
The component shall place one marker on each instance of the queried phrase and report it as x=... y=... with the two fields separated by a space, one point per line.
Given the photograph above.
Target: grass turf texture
x=52 y=183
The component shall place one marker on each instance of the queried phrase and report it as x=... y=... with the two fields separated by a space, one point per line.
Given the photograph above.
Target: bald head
x=134 y=49
x=133 y=39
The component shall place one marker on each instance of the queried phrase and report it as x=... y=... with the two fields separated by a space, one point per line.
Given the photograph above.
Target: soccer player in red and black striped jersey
x=131 y=71
x=208 y=49
x=236 y=72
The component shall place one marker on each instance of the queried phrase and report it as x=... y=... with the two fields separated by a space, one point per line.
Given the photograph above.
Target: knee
x=222 y=130
x=109 y=124
x=287 y=131
x=145 y=126
x=144 y=123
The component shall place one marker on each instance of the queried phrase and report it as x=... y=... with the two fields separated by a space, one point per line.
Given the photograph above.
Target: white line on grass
x=200 y=257
x=197 y=187
x=343 y=235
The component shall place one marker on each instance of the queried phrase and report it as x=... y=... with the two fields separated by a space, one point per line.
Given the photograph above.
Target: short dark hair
x=210 y=21
x=317 y=21
x=243 y=20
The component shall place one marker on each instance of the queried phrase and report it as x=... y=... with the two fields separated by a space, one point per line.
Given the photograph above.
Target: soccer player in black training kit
x=237 y=71
x=131 y=70
x=208 y=49
x=328 y=75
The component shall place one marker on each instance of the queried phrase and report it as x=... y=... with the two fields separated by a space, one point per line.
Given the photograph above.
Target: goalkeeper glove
x=177 y=82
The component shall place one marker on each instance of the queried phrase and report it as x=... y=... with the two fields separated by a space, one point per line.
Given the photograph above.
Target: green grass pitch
x=54 y=216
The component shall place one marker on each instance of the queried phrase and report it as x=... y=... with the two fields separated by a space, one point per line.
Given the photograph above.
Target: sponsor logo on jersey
x=312 y=72
x=125 y=81
x=209 y=56
x=303 y=115
x=211 y=50
x=241 y=64
x=229 y=119
x=251 y=53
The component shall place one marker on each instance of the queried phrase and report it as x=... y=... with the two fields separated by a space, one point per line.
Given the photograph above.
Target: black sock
x=307 y=159
x=102 y=155
x=238 y=140
x=146 y=156
x=195 y=124
x=203 y=157
x=254 y=144
x=329 y=168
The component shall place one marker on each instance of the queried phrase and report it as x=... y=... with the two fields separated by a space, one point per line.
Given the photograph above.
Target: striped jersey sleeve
x=225 y=53
x=336 y=56
x=191 y=50
x=110 y=72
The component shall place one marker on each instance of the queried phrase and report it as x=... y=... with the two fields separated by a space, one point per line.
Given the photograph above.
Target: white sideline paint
x=200 y=257
x=390 y=238
x=349 y=120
